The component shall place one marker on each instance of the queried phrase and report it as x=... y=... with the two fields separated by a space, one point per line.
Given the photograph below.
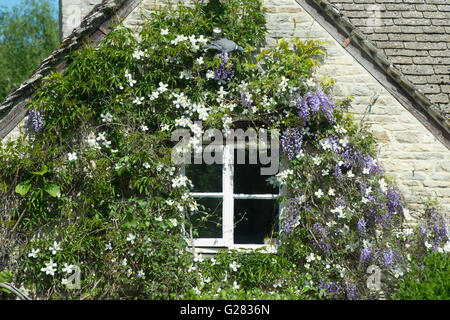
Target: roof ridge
x=383 y=61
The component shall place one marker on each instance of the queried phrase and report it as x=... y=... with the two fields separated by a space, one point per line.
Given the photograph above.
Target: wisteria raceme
x=331 y=288
x=393 y=200
x=351 y=291
x=385 y=219
x=351 y=156
x=35 y=120
x=223 y=73
x=388 y=258
x=362 y=226
x=291 y=215
x=224 y=57
x=311 y=100
x=303 y=110
x=322 y=233
x=366 y=255
x=245 y=100
x=338 y=173
x=291 y=142
x=326 y=105
x=423 y=229
x=436 y=224
x=334 y=145
x=314 y=101
x=369 y=163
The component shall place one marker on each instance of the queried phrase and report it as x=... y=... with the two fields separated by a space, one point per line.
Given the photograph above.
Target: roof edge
x=94 y=26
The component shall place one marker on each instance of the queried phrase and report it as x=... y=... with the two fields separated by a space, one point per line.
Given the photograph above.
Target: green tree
x=28 y=33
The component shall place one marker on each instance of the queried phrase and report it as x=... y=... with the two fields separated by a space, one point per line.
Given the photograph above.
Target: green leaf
x=43 y=171
x=23 y=187
x=5 y=276
x=53 y=190
x=142 y=204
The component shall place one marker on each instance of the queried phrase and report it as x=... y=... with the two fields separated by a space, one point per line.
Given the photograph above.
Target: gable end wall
x=410 y=153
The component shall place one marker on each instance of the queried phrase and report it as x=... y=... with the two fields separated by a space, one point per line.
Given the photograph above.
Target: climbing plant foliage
x=92 y=185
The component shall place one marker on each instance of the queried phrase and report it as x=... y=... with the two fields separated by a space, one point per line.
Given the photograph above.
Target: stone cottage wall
x=410 y=153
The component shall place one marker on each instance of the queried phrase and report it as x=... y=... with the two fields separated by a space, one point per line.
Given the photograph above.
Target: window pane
x=254 y=220
x=208 y=220
x=248 y=178
x=205 y=178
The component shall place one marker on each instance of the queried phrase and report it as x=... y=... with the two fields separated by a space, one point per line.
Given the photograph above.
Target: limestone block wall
x=409 y=152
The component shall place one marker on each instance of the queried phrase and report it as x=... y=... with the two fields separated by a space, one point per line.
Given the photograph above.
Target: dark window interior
x=248 y=179
x=204 y=177
x=208 y=220
x=254 y=220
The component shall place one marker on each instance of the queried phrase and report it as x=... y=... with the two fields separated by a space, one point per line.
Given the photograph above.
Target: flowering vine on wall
x=92 y=185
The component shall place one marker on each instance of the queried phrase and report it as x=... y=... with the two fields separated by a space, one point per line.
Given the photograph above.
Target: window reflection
x=254 y=220
x=205 y=178
x=208 y=220
x=248 y=178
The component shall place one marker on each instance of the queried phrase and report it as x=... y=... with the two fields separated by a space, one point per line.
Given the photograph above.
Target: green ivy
x=428 y=279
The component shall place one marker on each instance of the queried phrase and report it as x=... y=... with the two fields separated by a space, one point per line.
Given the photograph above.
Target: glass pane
x=255 y=220
x=248 y=178
x=208 y=220
x=204 y=177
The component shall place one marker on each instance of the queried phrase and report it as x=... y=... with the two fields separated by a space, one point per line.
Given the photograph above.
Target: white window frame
x=212 y=245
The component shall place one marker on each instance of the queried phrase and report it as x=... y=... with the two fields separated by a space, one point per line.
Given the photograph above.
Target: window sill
x=263 y=248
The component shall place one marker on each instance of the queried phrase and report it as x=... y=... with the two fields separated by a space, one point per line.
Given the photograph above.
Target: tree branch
x=14 y=290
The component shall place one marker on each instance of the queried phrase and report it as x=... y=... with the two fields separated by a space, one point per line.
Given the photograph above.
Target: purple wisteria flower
x=369 y=163
x=322 y=233
x=436 y=224
x=393 y=200
x=291 y=142
x=313 y=102
x=388 y=257
x=334 y=145
x=423 y=229
x=245 y=100
x=366 y=255
x=338 y=173
x=352 y=157
x=35 y=120
x=291 y=215
x=303 y=110
x=362 y=223
x=223 y=73
x=331 y=288
x=351 y=291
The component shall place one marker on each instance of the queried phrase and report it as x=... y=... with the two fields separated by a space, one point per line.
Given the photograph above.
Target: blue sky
x=12 y=3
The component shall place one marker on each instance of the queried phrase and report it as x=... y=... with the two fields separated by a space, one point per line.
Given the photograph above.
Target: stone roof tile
x=415 y=36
